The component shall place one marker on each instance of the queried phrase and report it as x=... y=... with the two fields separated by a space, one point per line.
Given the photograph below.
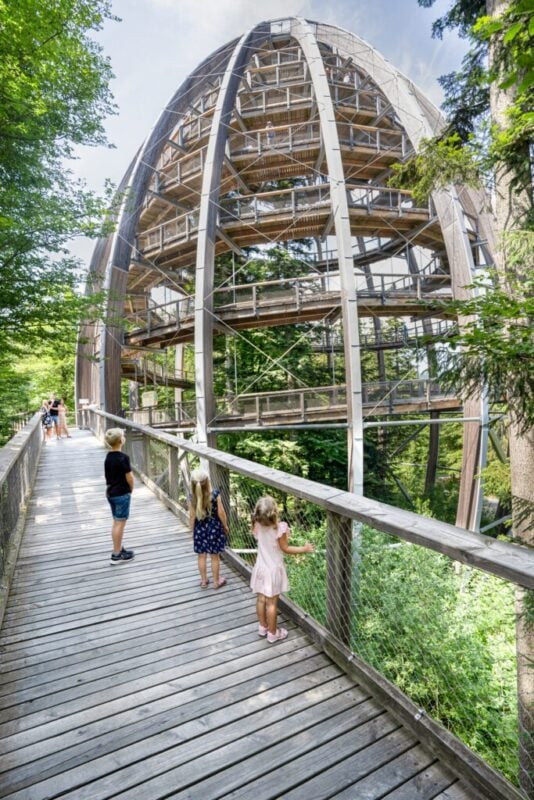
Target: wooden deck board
x=402 y=771
x=137 y=758
x=130 y=681
x=424 y=785
x=455 y=792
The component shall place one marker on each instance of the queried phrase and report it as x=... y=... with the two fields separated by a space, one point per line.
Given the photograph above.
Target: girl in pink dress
x=269 y=578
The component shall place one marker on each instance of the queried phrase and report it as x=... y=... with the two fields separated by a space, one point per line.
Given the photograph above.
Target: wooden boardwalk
x=132 y=682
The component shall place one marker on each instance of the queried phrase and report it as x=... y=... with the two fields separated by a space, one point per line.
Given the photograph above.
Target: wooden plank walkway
x=132 y=682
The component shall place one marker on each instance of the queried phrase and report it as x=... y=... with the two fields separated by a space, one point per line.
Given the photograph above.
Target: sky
x=157 y=43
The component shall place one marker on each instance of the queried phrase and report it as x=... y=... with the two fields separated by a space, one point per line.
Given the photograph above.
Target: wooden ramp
x=130 y=681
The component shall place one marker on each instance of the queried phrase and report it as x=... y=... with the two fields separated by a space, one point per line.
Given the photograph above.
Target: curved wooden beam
x=124 y=237
x=306 y=37
x=420 y=119
x=207 y=229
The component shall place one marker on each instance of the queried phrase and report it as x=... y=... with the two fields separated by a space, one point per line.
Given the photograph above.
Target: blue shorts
x=55 y=420
x=120 y=506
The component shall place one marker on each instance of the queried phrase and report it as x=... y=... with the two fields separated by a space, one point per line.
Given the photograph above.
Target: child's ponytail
x=200 y=491
x=199 y=506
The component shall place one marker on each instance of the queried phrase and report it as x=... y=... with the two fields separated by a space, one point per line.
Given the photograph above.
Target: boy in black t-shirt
x=120 y=483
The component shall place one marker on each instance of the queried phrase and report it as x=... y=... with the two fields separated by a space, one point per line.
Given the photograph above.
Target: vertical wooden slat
x=174 y=474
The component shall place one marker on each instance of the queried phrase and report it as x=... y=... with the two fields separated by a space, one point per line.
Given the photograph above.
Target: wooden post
x=433 y=452
x=339 y=577
x=174 y=474
x=146 y=455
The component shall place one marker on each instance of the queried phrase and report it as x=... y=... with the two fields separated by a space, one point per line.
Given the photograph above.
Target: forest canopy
x=55 y=95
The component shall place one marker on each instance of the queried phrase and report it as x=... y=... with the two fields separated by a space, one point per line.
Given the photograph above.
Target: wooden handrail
x=282 y=192
x=18 y=465
x=298 y=279
x=512 y=562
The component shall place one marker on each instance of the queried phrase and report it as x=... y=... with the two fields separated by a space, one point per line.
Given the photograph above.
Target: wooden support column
x=377 y=322
x=306 y=37
x=433 y=434
x=474 y=451
x=179 y=368
x=146 y=455
x=133 y=395
x=433 y=453
x=174 y=474
x=207 y=231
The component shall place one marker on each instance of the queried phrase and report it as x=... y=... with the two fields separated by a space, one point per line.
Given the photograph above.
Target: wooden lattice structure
x=317 y=113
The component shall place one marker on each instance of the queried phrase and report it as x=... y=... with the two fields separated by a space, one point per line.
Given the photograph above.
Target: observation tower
x=260 y=199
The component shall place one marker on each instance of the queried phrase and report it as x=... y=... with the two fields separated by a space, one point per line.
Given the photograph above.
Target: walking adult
x=46 y=421
x=54 y=413
x=270 y=134
x=62 y=416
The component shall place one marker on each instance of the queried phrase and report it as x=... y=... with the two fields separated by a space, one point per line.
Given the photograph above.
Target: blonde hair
x=114 y=436
x=201 y=493
x=266 y=511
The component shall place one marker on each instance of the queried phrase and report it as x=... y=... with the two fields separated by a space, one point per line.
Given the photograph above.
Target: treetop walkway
x=133 y=682
x=314 y=405
x=288 y=301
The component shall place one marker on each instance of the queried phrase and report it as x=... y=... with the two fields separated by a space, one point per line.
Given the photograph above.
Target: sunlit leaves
x=438 y=164
x=53 y=95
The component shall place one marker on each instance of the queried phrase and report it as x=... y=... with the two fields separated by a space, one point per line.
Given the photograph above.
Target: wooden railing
x=152 y=372
x=292 y=201
x=330 y=598
x=412 y=334
x=299 y=293
x=18 y=463
x=176 y=168
x=380 y=396
x=310 y=404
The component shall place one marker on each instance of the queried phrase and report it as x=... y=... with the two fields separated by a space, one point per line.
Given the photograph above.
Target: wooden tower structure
x=285 y=134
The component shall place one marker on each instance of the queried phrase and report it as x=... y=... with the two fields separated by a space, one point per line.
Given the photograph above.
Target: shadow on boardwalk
x=130 y=681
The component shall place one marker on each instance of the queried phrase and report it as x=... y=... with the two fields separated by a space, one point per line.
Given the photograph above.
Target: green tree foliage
x=467 y=91
x=53 y=96
x=496 y=345
x=438 y=164
x=445 y=637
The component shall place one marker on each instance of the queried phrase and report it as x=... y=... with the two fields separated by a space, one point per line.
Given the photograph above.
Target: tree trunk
x=510 y=207
x=522 y=473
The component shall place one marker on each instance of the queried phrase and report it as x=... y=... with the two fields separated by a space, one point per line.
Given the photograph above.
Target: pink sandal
x=204 y=584
x=280 y=634
x=222 y=582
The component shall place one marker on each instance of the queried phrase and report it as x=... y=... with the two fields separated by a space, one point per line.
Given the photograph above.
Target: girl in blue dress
x=208 y=522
